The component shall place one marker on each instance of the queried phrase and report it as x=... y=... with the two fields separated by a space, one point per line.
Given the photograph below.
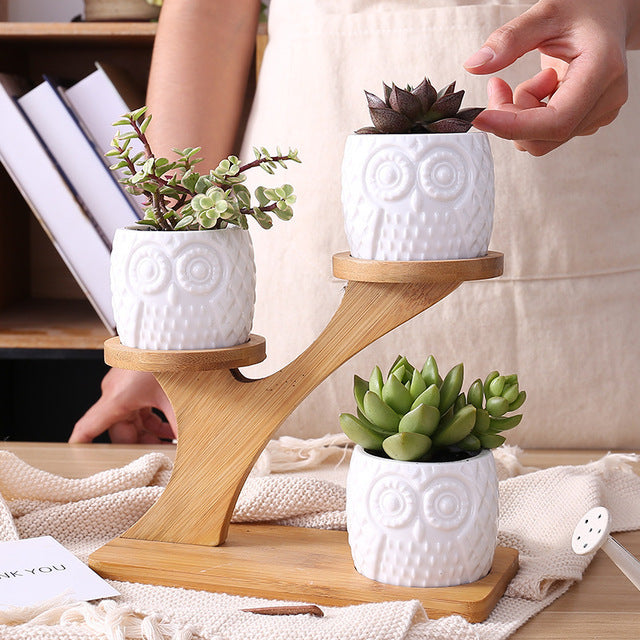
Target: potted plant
x=422 y=491
x=184 y=277
x=419 y=186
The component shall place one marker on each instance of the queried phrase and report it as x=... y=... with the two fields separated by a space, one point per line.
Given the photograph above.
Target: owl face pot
x=183 y=289
x=418 y=196
x=422 y=524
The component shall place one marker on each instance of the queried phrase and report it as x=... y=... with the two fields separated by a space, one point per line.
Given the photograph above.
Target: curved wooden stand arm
x=225 y=420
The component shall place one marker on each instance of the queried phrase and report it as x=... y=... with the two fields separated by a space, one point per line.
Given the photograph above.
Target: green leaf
x=407 y=446
x=243 y=195
x=145 y=124
x=138 y=113
x=184 y=222
x=284 y=213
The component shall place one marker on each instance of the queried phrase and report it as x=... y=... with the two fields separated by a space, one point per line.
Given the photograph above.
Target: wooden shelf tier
x=292 y=563
x=103 y=33
x=347 y=268
x=51 y=324
x=243 y=355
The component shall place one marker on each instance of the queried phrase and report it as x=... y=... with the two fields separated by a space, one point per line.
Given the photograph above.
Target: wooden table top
x=604 y=605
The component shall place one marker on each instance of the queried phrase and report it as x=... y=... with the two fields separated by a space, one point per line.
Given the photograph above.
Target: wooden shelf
x=102 y=33
x=51 y=324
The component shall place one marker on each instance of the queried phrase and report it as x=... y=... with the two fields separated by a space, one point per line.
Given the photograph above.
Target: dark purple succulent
x=419 y=110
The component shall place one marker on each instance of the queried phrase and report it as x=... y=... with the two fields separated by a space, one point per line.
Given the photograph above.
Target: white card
x=37 y=569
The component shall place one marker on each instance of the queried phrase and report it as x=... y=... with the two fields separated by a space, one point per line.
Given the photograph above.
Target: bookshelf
x=41 y=306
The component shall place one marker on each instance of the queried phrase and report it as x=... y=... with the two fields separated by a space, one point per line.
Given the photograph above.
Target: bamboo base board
x=290 y=563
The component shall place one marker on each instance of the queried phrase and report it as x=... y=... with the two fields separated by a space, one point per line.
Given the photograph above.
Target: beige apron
x=564 y=315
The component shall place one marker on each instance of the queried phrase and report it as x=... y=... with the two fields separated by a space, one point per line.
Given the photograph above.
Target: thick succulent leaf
x=447 y=90
x=367 y=130
x=389 y=121
x=449 y=125
x=426 y=93
x=360 y=387
x=423 y=419
x=405 y=103
x=360 y=432
x=374 y=101
x=469 y=115
x=406 y=446
x=445 y=107
x=379 y=413
x=386 y=92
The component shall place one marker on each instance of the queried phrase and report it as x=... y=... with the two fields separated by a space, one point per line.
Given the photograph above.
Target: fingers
x=506 y=44
x=124 y=410
x=95 y=421
x=124 y=433
x=582 y=87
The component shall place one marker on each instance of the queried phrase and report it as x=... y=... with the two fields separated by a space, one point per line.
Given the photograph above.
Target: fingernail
x=480 y=57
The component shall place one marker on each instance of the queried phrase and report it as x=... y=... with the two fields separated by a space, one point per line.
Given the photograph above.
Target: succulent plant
x=416 y=415
x=419 y=110
x=180 y=198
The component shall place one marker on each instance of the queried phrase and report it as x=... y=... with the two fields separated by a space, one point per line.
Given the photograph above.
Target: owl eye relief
x=199 y=271
x=149 y=271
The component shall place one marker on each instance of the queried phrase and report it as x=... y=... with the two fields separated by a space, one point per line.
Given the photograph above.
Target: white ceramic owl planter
x=418 y=196
x=183 y=289
x=422 y=524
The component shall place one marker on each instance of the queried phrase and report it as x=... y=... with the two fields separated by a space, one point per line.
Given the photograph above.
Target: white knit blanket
x=539 y=510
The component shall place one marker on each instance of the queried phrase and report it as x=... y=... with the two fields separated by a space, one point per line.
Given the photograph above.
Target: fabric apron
x=564 y=315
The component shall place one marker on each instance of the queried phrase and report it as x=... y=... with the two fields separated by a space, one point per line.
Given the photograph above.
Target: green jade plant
x=417 y=415
x=180 y=198
x=419 y=110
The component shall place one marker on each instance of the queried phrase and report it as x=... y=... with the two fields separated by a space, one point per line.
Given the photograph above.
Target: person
x=564 y=313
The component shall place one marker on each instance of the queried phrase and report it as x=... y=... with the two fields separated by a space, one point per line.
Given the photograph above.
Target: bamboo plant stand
x=224 y=422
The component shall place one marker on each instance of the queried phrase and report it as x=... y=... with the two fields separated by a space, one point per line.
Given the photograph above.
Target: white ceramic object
x=422 y=524
x=592 y=533
x=418 y=196
x=183 y=289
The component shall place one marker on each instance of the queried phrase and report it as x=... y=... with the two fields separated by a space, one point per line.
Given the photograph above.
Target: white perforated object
x=592 y=533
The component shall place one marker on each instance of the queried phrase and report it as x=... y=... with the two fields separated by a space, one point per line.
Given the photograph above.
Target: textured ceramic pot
x=183 y=289
x=422 y=524
x=418 y=196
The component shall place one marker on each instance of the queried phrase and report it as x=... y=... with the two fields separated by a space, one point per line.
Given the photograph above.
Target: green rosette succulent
x=419 y=110
x=415 y=414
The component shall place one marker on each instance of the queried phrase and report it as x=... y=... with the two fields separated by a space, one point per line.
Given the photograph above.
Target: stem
x=258 y=161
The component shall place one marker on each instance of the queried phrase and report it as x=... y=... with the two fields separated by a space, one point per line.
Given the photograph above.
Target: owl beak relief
x=172 y=294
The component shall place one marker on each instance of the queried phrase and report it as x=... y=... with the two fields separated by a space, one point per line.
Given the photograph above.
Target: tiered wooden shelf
x=182 y=540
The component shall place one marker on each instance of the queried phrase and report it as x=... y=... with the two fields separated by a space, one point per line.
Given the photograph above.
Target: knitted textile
x=539 y=510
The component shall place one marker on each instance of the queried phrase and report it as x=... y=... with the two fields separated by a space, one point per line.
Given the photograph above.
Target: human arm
x=583 y=47
x=199 y=71
x=200 y=66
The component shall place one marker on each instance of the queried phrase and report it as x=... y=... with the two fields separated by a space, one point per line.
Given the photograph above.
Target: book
x=101 y=98
x=50 y=197
x=94 y=184
x=98 y=100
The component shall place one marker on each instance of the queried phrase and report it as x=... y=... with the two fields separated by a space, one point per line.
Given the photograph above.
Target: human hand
x=584 y=71
x=124 y=410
